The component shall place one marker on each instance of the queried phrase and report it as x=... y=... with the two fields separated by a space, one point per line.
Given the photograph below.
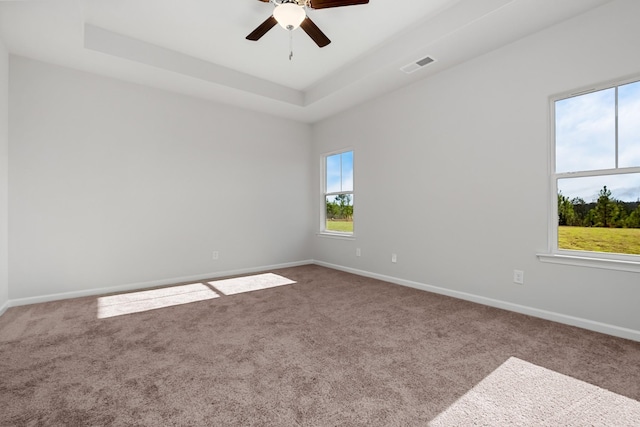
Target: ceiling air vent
x=415 y=66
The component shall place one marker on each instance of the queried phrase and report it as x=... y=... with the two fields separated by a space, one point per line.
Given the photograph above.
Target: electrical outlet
x=215 y=255
x=518 y=277
x=358 y=252
x=394 y=258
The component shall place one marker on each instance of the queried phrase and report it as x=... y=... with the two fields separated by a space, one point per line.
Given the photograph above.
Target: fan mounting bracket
x=301 y=3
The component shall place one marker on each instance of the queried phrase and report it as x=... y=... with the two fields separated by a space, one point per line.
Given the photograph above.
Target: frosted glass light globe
x=289 y=15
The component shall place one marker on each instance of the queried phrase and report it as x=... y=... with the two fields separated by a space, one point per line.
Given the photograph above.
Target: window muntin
x=597 y=172
x=337 y=213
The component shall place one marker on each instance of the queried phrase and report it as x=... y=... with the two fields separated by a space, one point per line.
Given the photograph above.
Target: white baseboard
x=4 y=307
x=150 y=284
x=531 y=311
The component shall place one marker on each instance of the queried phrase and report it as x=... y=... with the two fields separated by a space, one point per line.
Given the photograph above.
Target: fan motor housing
x=298 y=2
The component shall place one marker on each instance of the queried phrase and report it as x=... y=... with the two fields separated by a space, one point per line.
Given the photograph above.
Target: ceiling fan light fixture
x=289 y=15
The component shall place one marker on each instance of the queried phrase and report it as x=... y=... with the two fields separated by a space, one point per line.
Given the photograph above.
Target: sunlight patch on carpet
x=250 y=283
x=519 y=393
x=136 y=302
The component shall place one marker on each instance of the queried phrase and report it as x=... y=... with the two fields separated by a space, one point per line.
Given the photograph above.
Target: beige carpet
x=303 y=346
x=519 y=393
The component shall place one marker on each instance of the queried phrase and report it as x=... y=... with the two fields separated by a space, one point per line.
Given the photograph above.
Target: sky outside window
x=625 y=188
x=586 y=132
x=340 y=172
x=586 y=141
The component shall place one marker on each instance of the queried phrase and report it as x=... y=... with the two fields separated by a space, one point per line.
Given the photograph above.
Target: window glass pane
x=629 y=125
x=600 y=214
x=585 y=132
x=334 y=174
x=347 y=171
x=339 y=213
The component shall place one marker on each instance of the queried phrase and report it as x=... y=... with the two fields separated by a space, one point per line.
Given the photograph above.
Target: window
x=596 y=173
x=337 y=194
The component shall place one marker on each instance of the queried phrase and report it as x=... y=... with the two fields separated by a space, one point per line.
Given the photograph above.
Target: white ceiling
x=198 y=47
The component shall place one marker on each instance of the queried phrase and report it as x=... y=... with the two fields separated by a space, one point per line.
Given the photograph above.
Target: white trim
x=591 y=325
x=598 y=172
x=4 y=307
x=552 y=208
x=150 y=284
x=604 y=328
x=590 y=261
x=336 y=235
x=338 y=151
x=609 y=84
x=337 y=193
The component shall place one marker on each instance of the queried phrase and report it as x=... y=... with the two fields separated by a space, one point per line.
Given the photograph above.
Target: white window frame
x=610 y=261
x=323 y=195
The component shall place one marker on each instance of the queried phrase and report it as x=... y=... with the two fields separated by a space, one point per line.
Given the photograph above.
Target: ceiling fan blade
x=314 y=32
x=323 y=4
x=262 y=29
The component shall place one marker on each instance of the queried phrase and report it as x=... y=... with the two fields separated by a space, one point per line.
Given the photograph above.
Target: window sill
x=342 y=236
x=591 y=261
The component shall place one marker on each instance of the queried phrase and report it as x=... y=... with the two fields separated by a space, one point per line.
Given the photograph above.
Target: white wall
x=114 y=184
x=452 y=173
x=4 y=175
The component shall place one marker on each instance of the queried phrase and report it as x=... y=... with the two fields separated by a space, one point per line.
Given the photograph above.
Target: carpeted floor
x=520 y=393
x=330 y=349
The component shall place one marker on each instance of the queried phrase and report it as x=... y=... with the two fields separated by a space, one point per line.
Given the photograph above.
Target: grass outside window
x=597 y=239
x=340 y=226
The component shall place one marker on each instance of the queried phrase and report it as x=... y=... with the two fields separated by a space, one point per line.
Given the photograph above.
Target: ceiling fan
x=290 y=14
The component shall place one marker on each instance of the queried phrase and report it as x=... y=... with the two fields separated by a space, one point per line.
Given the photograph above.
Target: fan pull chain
x=290 y=45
